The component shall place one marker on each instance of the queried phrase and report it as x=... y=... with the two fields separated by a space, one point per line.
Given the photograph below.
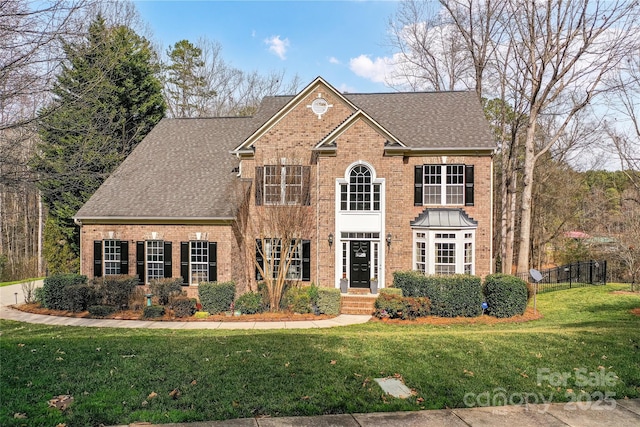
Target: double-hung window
x=282 y=185
x=198 y=262
x=269 y=257
x=110 y=257
x=153 y=260
x=444 y=185
x=444 y=252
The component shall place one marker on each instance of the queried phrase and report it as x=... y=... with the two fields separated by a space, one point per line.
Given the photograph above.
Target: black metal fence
x=574 y=275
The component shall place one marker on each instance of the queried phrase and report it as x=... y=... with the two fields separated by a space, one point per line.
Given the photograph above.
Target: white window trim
x=296 y=259
x=430 y=241
x=148 y=263
x=205 y=263
x=283 y=185
x=117 y=259
x=443 y=184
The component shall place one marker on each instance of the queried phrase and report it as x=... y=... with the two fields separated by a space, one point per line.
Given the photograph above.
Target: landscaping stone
x=394 y=387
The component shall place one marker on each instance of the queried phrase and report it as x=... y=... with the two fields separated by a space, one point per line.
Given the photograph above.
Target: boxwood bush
x=101 y=310
x=390 y=291
x=183 y=306
x=153 y=311
x=116 y=290
x=216 y=297
x=78 y=297
x=328 y=301
x=505 y=295
x=53 y=289
x=165 y=288
x=297 y=300
x=249 y=303
x=451 y=296
x=396 y=306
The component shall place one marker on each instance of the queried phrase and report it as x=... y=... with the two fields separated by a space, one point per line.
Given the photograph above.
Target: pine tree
x=106 y=99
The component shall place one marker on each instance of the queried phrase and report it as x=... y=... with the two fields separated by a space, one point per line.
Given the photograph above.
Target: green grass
x=15 y=282
x=232 y=374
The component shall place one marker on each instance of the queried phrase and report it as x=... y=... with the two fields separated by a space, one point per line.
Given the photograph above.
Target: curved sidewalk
x=10 y=294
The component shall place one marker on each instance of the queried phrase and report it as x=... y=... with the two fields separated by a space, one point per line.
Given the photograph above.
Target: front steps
x=357 y=301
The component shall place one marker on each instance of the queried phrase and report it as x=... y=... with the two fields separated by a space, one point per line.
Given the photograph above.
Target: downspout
x=318 y=219
x=78 y=222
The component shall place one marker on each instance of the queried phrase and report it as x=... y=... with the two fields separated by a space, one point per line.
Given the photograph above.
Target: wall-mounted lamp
x=330 y=239
x=388 y=240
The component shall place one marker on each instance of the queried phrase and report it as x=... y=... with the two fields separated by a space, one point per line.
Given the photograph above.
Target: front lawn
x=586 y=333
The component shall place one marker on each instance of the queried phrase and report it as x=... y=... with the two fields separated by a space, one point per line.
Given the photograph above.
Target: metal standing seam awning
x=445 y=218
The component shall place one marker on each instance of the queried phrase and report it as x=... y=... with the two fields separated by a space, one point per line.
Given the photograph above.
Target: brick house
x=392 y=181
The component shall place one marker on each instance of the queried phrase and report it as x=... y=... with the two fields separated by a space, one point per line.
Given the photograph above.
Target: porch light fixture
x=388 y=240
x=330 y=239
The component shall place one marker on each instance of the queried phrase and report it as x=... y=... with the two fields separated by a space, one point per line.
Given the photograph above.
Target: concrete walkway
x=614 y=413
x=10 y=294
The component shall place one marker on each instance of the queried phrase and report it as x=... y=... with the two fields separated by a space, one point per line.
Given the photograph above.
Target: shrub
x=390 y=291
x=53 y=289
x=329 y=301
x=451 y=296
x=101 y=310
x=201 y=314
x=387 y=305
x=416 y=307
x=249 y=303
x=297 y=300
x=116 y=290
x=153 y=311
x=183 y=307
x=505 y=295
x=166 y=288
x=79 y=297
x=39 y=295
x=216 y=297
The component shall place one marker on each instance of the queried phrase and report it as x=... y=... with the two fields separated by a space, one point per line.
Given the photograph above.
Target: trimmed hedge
x=183 y=306
x=216 y=297
x=396 y=306
x=78 y=297
x=152 y=311
x=505 y=295
x=390 y=291
x=101 y=310
x=249 y=303
x=451 y=296
x=116 y=290
x=165 y=288
x=53 y=289
x=328 y=301
x=297 y=300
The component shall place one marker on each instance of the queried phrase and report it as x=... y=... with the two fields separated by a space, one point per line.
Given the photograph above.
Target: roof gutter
x=417 y=151
x=149 y=220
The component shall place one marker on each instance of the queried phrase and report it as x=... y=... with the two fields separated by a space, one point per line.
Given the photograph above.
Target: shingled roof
x=183 y=168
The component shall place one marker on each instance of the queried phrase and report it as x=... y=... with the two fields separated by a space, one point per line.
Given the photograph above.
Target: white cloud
x=278 y=46
x=253 y=33
x=334 y=60
x=344 y=88
x=375 y=70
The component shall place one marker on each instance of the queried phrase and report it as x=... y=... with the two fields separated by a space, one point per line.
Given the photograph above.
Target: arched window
x=360 y=194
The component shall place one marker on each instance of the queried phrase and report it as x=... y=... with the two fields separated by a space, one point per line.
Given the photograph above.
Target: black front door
x=360 y=264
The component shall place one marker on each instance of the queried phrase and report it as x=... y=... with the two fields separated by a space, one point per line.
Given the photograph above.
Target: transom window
x=155 y=259
x=199 y=257
x=283 y=184
x=112 y=257
x=360 y=194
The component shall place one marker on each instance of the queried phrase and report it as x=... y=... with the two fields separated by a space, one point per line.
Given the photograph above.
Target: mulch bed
x=636 y=311
x=480 y=320
x=137 y=315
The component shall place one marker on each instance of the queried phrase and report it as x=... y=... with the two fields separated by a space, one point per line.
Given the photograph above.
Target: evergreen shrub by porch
x=152 y=311
x=249 y=303
x=390 y=291
x=451 y=296
x=101 y=310
x=53 y=289
x=165 y=288
x=78 y=297
x=116 y=290
x=216 y=297
x=328 y=301
x=505 y=295
x=183 y=306
x=416 y=307
x=297 y=300
x=396 y=306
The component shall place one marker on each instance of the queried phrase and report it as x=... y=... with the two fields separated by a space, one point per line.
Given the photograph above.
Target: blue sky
x=338 y=40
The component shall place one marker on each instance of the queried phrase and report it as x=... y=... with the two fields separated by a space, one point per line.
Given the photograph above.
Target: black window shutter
x=168 y=270
x=306 y=260
x=259 y=259
x=213 y=261
x=468 y=185
x=417 y=185
x=97 y=258
x=140 y=262
x=258 y=183
x=306 y=185
x=124 y=257
x=184 y=262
